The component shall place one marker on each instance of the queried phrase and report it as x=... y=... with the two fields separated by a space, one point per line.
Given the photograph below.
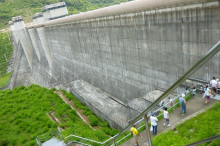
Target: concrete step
x=54 y=142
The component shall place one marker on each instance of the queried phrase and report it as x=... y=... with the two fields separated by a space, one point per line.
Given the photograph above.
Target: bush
x=109 y=131
x=93 y=120
x=23 y=116
x=200 y=127
x=4 y=142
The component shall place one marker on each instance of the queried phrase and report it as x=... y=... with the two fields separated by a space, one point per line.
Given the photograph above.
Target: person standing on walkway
x=171 y=102
x=194 y=91
x=166 y=117
x=213 y=84
x=135 y=134
x=154 y=120
x=182 y=102
x=207 y=94
x=162 y=103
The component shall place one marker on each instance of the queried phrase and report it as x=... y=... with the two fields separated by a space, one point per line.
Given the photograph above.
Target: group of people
x=153 y=120
x=215 y=88
x=215 y=85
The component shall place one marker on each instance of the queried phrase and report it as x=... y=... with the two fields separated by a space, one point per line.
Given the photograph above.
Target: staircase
x=51 y=138
x=53 y=142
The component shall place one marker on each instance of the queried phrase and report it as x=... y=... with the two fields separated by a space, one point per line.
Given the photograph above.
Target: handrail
x=195 y=79
x=215 y=49
x=83 y=139
x=205 y=140
x=160 y=108
x=102 y=143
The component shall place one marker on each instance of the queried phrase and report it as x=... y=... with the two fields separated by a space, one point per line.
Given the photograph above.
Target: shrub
x=4 y=142
x=23 y=140
x=87 y=113
x=33 y=143
x=110 y=131
x=53 y=89
x=93 y=120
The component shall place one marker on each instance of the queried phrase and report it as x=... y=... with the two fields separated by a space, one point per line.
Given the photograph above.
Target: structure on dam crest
x=110 y=58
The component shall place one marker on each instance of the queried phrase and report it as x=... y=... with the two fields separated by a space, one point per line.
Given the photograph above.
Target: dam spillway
x=123 y=53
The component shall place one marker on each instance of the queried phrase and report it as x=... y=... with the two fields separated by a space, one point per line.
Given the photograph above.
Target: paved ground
x=196 y=104
x=54 y=142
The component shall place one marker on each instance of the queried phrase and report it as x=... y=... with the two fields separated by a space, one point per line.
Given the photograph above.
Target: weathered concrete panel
x=129 y=55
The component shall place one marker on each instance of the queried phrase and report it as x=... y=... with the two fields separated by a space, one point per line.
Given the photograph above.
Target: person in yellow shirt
x=135 y=133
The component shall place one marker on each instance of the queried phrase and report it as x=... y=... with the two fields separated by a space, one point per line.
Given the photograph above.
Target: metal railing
x=48 y=135
x=188 y=91
x=215 y=49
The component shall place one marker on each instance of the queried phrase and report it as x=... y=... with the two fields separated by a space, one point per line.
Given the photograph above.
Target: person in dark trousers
x=194 y=91
x=154 y=120
x=182 y=102
x=213 y=84
x=166 y=117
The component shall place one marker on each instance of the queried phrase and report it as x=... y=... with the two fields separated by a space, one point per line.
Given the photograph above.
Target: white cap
x=183 y=95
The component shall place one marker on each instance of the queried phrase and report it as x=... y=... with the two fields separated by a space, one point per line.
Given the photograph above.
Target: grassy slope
x=4 y=79
x=200 y=127
x=5 y=52
x=23 y=116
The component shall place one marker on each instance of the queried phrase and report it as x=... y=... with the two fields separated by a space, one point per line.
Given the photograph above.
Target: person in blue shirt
x=182 y=102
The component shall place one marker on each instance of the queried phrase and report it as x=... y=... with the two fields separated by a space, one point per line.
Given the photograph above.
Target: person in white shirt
x=207 y=94
x=171 y=102
x=166 y=117
x=154 y=120
x=213 y=84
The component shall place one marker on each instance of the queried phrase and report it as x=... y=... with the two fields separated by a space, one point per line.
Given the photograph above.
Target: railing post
x=147 y=129
x=114 y=143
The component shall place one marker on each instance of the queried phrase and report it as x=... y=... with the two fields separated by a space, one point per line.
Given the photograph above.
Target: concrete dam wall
x=120 y=58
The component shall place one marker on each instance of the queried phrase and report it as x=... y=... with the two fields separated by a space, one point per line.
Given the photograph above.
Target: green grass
x=4 y=79
x=200 y=127
x=23 y=116
x=5 y=52
x=159 y=117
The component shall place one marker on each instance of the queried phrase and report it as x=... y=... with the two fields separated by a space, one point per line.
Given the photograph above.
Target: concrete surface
x=125 y=56
x=194 y=105
x=54 y=142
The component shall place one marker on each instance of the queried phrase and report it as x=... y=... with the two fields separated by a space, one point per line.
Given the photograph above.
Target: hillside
x=32 y=111
x=26 y=8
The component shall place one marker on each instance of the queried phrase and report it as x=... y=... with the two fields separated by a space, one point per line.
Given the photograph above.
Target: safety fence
x=140 y=124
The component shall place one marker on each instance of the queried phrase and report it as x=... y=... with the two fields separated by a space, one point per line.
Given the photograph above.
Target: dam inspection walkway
x=194 y=106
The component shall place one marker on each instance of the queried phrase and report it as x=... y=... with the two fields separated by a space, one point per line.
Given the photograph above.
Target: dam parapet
x=122 y=50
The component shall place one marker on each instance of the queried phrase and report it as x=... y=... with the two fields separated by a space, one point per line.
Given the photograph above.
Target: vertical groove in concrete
x=26 y=45
x=33 y=37
x=44 y=41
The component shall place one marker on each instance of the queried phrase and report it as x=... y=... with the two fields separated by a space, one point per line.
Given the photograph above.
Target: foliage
x=26 y=8
x=5 y=52
x=200 y=127
x=4 y=79
x=23 y=116
x=94 y=120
